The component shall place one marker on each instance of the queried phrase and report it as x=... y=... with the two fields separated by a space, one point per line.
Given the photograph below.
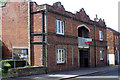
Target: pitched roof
x=114 y=31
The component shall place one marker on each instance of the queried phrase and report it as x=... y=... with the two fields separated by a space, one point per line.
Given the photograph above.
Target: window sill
x=60 y=63
x=101 y=40
x=59 y=34
x=101 y=60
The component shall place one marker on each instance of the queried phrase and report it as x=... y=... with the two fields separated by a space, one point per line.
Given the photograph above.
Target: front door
x=84 y=61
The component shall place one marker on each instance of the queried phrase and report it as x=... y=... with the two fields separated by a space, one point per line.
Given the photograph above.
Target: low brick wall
x=18 y=72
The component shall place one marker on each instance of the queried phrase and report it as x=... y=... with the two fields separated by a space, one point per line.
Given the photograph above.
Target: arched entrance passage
x=84 y=53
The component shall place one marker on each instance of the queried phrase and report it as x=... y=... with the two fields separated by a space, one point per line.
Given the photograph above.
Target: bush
x=5 y=67
x=18 y=63
x=9 y=63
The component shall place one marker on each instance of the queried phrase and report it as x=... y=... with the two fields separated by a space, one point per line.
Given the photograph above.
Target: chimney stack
x=96 y=19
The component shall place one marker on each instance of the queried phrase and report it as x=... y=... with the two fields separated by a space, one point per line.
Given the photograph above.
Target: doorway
x=84 y=60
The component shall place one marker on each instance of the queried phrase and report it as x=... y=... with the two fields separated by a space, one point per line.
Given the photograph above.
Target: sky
x=105 y=9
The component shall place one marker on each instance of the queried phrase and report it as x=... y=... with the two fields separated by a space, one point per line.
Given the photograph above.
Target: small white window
x=60 y=56
x=101 y=55
x=101 y=35
x=59 y=27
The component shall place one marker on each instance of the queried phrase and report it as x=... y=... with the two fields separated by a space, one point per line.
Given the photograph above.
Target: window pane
x=57 y=21
x=101 y=35
x=63 y=56
x=59 y=26
x=102 y=54
x=57 y=55
x=56 y=25
x=62 y=27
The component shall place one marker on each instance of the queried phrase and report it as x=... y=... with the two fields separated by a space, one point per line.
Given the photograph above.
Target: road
x=112 y=75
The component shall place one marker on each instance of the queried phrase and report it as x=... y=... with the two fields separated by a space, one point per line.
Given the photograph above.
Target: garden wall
x=19 y=72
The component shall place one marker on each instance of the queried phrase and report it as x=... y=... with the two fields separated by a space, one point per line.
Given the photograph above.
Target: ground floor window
x=60 y=55
x=101 y=55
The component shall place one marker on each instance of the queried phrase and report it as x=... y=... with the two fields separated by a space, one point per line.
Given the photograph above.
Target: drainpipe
x=43 y=36
x=29 y=34
x=46 y=36
x=95 y=44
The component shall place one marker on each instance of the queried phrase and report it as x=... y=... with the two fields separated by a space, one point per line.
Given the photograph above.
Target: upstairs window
x=116 y=40
x=101 y=55
x=60 y=27
x=60 y=56
x=101 y=35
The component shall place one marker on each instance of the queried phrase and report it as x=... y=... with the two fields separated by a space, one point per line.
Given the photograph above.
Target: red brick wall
x=92 y=55
x=14 y=26
x=15 y=33
x=110 y=41
x=36 y=55
x=51 y=17
x=36 y=27
x=36 y=22
x=101 y=62
x=53 y=66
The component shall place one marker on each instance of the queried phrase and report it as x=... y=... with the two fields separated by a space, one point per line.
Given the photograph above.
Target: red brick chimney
x=96 y=19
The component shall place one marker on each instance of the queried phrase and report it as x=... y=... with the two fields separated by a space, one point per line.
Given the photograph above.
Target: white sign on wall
x=111 y=59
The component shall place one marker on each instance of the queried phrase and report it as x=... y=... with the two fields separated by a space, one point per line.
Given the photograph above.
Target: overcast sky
x=105 y=9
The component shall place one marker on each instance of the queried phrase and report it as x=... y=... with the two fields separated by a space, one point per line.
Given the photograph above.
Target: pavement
x=68 y=74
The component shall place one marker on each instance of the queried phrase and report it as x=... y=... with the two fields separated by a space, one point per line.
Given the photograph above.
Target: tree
x=2 y=2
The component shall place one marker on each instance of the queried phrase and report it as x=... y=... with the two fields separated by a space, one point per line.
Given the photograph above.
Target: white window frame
x=101 y=35
x=101 y=55
x=60 y=56
x=60 y=26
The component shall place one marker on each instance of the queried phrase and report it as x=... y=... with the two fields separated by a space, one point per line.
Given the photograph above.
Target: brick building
x=52 y=36
x=113 y=43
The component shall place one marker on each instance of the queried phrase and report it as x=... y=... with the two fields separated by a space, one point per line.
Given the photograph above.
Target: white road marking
x=98 y=77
